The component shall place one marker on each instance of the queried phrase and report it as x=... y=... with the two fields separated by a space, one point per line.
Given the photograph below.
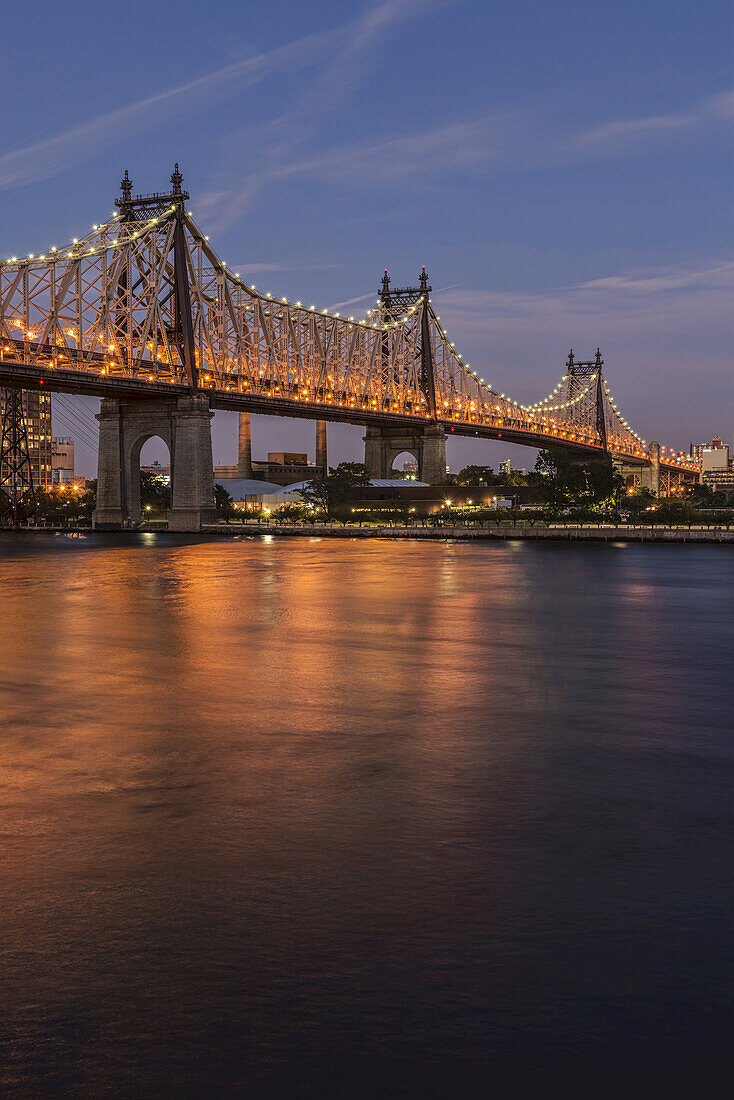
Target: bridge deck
x=122 y=388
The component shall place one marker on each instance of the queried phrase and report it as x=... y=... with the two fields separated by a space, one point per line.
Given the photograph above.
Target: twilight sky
x=563 y=170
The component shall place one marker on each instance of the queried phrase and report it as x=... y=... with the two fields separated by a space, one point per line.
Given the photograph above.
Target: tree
x=155 y=495
x=567 y=482
x=562 y=479
x=476 y=475
x=336 y=489
x=223 y=503
x=292 y=512
x=639 y=500
x=603 y=483
x=62 y=505
x=700 y=493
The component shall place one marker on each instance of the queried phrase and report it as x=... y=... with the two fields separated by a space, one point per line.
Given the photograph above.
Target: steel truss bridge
x=142 y=307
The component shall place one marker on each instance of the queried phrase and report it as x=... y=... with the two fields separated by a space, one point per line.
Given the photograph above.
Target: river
x=301 y=817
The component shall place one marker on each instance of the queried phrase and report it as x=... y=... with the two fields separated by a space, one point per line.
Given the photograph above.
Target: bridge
x=143 y=313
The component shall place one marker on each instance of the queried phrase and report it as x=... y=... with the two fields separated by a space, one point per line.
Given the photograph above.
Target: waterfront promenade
x=567 y=532
x=586 y=532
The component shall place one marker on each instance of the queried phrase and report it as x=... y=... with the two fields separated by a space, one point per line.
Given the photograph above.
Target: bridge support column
x=184 y=425
x=647 y=476
x=654 y=468
x=426 y=444
x=192 y=465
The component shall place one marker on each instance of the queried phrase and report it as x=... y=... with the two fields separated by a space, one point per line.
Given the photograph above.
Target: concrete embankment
x=587 y=533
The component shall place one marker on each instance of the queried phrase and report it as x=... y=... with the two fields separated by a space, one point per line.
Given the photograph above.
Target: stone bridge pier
x=184 y=425
x=426 y=444
x=647 y=476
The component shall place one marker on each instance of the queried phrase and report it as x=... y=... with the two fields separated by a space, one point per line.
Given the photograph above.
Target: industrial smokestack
x=321 y=445
x=244 y=449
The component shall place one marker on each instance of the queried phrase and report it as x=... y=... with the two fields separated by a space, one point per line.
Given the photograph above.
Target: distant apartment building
x=37 y=416
x=508 y=469
x=696 y=450
x=717 y=465
x=62 y=460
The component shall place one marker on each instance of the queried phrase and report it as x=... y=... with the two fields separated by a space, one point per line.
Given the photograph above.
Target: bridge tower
x=427 y=443
x=579 y=374
x=183 y=423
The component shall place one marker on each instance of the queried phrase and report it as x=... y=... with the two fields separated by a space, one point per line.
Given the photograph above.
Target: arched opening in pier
x=405 y=465
x=152 y=462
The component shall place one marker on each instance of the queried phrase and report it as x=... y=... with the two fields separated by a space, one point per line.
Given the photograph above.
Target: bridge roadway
x=127 y=388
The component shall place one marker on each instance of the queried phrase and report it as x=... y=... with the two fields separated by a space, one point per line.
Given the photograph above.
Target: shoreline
x=590 y=533
x=458 y=533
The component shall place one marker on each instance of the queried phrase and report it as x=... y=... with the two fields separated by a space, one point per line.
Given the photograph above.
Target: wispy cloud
x=512 y=140
x=610 y=135
x=352 y=301
x=349 y=66
x=460 y=146
x=665 y=334
x=423 y=158
x=282 y=265
x=641 y=300
x=54 y=155
x=351 y=63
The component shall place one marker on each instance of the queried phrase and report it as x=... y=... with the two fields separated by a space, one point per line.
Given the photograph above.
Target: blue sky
x=563 y=170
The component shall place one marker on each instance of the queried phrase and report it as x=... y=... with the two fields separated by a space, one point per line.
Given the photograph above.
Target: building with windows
x=717 y=466
x=37 y=410
x=281 y=468
x=62 y=460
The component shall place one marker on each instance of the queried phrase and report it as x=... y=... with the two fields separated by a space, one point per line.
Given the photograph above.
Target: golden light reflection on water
x=230 y=767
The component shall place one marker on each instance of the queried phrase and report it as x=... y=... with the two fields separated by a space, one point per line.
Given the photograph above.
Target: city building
x=62 y=460
x=714 y=458
x=253 y=495
x=695 y=451
x=508 y=469
x=281 y=468
x=717 y=469
x=717 y=464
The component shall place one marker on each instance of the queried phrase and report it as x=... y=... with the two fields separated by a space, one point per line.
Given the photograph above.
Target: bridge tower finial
x=385 y=290
x=126 y=186
x=176 y=180
x=424 y=280
x=569 y=362
x=598 y=359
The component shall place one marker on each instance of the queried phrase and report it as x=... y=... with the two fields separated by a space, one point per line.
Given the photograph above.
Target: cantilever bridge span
x=143 y=310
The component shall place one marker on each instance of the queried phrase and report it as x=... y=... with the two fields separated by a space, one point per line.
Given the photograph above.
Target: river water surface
x=301 y=817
